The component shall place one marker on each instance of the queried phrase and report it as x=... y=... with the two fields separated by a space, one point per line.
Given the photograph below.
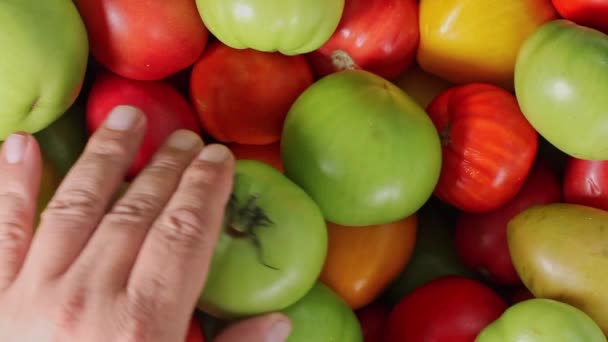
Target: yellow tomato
x=421 y=86
x=361 y=262
x=466 y=41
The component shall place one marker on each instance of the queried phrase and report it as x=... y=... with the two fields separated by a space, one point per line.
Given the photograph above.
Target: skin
x=129 y=273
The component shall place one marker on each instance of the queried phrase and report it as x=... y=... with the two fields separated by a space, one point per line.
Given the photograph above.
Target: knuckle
x=135 y=209
x=184 y=227
x=76 y=203
x=12 y=237
x=105 y=147
x=72 y=308
x=163 y=166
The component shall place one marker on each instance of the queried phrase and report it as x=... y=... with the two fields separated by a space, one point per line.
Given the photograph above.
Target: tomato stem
x=341 y=60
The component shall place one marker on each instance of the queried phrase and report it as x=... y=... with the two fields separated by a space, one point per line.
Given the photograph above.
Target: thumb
x=274 y=327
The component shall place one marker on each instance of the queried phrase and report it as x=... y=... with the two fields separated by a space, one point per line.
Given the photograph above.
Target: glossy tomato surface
x=362 y=261
x=591 y=13
x=165 y=108
x=481 y=239
x=144 y=39
x=452 y=308
x=380 y=36
x=586 y=182
x=243 y=95
x=488 y=146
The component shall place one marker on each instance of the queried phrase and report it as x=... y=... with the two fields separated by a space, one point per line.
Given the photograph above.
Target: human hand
x=132 y=271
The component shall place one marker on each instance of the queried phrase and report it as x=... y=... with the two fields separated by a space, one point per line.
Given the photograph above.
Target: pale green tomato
x=43 y=59
x=291 y=27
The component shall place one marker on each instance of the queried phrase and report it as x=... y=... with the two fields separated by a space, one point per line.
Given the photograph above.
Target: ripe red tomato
x=269 y=154
x=591 y=13
x=243 y=96
x=586 y=182
x=373 y=319
x=380 y=36
x=195 y=331
x=481 y=239
x=144 y=39
x=451 y=309
x=165 y=109
x=488 y=146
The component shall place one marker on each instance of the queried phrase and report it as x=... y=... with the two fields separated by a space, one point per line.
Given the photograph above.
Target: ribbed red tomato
x=586 y=182
x=481 y=239
x=591 y=13
x=451 y=308
x=380 y=36
x=488 y=146
x=243 y=96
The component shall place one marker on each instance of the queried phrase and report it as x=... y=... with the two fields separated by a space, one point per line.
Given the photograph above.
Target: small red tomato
x=380 y=36
x=591 y=13
x=481 y=239
x=373 y=320
x=586 y=182
x=488 y=146
x=451 y=309
x=195 y=331
x=269 y=154
x=144 y=39
x=165 y=108
x=243 y=96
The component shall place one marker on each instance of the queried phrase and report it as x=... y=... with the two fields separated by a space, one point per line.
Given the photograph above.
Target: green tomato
x=561 y=80
x=542 y=320
x=272 y=247
x=434 y=254
x=323 y=316
x=291 y=27
x=42 y=64
x=361 y=148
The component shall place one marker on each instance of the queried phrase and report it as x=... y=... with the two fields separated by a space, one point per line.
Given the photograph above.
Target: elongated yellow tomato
x=477 y=40
x=560 y=251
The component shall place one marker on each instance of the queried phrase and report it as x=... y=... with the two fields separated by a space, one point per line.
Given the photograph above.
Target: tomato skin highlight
x=451 y=309
x=380 y=36
x=243 y=96
x=481 y=239
x=361 y=262
x=488 y=146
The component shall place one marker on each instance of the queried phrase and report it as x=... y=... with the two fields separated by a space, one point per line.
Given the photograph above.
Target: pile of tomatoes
x=425 y=170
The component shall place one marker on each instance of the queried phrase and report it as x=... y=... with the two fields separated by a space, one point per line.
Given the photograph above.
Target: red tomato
x=448 y=309
x=373 y=319
x=195 y=331
x=144 y=39
x=269 y=154
x=243 y=96
x=586 y=182
x=591 y=13
x=519 y=294
x=380 y=36
x=481 y=239
x=488 y=146
x=165 y=109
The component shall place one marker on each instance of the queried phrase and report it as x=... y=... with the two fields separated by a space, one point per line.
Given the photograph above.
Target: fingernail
x=122 y=118
x=182 y=139
x=214 y=153
x=279 y=332
x=14 y=148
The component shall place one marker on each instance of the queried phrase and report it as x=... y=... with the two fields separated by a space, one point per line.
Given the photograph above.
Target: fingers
x=273 y=327
x=20 y=171
x=114 y=246
x=172 y=265
x=81 y=200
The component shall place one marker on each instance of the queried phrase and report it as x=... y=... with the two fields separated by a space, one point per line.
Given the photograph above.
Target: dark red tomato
x=448 y=309
x=591 y=13
x=488 y=146
x=373 y=320
x=586 y=182
x=195 y=331
x=481 y=239
x=519 y=294
x=243 y=96
x=269 y=154
x=380 y=36
x=165 y=109
x=144 y=39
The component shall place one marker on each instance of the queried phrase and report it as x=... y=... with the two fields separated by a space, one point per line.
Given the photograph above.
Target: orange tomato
x=362 y=261
x=269 y=154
